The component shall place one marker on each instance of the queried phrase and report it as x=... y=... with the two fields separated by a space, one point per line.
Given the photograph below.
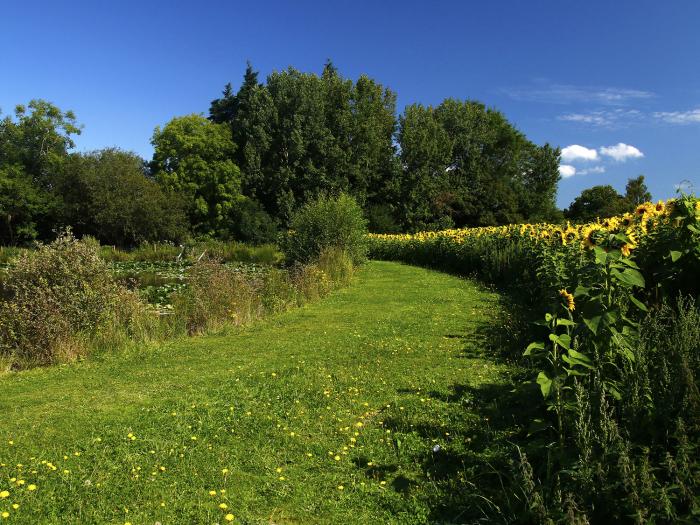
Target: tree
x=193 y=157
x=467 y=165
x=21 y=204
x=301 y=135
x=426 y=151
x=250 y=115
x=636 y=192
x=38 y=140
x=596 y=202
x=108 y=194
x=33 y=146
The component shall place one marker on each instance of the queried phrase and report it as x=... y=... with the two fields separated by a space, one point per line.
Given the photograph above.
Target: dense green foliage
x=604 y=201
x=107 y=194
x=54 y=298
x=33 y=147
x=300 y=135
x=265 y=151
x=327 y=222
x=465 y=164
x=614 y=357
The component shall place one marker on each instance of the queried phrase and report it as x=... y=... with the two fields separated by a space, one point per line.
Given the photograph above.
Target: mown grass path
x=325 y=414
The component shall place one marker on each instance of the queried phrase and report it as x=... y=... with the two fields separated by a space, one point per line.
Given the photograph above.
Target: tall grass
x=61 y=301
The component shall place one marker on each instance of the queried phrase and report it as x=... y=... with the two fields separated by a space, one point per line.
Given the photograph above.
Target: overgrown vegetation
x=61 y=301
x=615 y=360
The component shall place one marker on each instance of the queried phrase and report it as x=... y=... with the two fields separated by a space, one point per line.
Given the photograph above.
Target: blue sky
x=619 y=80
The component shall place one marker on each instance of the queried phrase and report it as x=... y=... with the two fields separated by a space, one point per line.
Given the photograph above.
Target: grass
x=371 y=406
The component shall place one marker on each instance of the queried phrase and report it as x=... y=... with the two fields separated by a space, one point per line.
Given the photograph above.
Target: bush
x=327 y=222
x=55 y=298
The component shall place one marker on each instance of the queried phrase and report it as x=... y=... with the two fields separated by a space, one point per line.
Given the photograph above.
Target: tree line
x=264 y=151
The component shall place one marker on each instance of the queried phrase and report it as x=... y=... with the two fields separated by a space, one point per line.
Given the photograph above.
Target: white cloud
x=679 y=117
x=567 y=171
x=604 y=118
x=575 y=152
x=591 y=171
x=621 y=152
x=566 y=94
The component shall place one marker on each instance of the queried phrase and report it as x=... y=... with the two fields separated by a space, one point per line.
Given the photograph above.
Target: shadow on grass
x=470 y=460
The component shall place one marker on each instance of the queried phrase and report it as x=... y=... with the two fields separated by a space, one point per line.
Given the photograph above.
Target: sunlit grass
x=350 y=410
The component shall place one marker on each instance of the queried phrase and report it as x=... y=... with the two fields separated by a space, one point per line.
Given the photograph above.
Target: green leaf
x=565 y=322
x=639 y=304
x=581 y=291
x=601 y=255
x=533 y=346
x=545 y=384
x=592 y=314
x=675 y=255
x=630 y=276
x=579 y=356
x=562 y=340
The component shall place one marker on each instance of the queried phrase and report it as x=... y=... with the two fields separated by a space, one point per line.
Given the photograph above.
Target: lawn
x=369 y=406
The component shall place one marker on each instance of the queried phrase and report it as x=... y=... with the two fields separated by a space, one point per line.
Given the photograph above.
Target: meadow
x=530 y=373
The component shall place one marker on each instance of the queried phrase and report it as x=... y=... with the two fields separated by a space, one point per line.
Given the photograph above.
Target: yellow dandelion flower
x=229 y=517
x=31 y=487
x=4 y=494
x=336 y=457
x=5 y=514
x=223 y=506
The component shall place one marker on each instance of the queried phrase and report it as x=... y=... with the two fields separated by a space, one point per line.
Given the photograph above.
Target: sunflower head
x=569 y=298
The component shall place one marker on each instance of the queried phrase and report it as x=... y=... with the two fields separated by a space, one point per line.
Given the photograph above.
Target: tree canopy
x=264 y=151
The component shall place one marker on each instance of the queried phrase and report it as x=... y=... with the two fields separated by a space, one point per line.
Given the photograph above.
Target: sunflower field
x=614 y=356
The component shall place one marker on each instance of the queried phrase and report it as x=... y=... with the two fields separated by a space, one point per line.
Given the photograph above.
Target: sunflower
x=589 y=235
x=570 y=305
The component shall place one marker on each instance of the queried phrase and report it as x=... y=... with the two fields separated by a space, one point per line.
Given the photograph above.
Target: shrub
x=55 y=298
x=327 y=222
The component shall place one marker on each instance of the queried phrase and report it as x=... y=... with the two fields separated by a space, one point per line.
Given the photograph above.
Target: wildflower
x=31 y=487
x=212 y=493
x=626 y=248
x=340 y=487
x=224 y=471
x=223 y=506
x=4 y=494
x=229 y=517
x=5 y=514
x=336 y=457
x=570 y=305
